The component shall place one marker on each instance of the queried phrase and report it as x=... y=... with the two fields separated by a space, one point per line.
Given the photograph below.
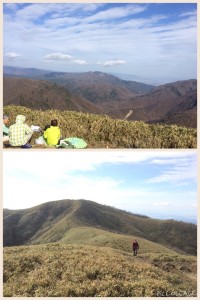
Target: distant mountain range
x=99 y=87
x=81 y=220
x=101 y=93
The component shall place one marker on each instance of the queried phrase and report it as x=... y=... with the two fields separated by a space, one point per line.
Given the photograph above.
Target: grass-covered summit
x=104 y=132
x=87 y=222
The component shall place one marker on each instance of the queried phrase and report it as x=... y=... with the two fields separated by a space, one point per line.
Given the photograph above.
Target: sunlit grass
x=77 y=270
x=104 y=132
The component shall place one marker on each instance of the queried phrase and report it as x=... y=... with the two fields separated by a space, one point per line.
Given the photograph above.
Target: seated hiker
x=52 y=134
x=135 y=247
x=46 y=127
x=6 y=121
x=19 y=133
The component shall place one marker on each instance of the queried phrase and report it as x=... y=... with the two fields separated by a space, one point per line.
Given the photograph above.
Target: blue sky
x=161 y=184
x=153 y=42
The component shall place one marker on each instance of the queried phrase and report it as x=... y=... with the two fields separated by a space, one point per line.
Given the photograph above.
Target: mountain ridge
x=91 y=75
x=103 y=93
x=51 y=222
x=40 y=94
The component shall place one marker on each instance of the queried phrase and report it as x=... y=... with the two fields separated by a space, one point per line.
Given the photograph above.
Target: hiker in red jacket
x=135 y=247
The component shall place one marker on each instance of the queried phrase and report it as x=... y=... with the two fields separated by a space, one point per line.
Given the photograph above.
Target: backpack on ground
x=73 y=143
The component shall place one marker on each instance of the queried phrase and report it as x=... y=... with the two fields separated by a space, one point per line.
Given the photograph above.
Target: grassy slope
x=102 y=131
x=41 y=95
x=102 y=238
x=54 y=221
x=79 y=270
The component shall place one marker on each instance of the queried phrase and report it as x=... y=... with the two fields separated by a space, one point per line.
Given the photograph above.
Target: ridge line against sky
x=154 y=42
x=160 y=184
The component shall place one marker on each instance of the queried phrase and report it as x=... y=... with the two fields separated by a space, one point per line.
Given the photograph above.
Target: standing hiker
x=135 y=247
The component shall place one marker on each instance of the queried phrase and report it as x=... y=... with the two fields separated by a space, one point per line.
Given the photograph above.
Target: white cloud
x=101 y=189
x=45 y=189
x=146 y=43
x=80 y=62
x=177 y=174
x=189 y=14
x=35 y=11
x=48 y=176
x=63 y=57
x=89 y=160
x=114 y=63
x=91 y=7
x=12 y=56
x=167 y=161
x=116 y=13
x=58 y=56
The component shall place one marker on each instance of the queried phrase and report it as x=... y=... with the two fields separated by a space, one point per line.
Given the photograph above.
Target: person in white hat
x=20 y=133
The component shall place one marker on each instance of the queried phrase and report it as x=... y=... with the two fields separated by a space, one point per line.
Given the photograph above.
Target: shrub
x=104 y=132
x=58 y=270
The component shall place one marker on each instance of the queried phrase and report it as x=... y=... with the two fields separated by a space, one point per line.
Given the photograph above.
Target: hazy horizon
x=127 y=77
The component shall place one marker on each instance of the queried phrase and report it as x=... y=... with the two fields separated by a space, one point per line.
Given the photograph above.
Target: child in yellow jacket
x=52 y=134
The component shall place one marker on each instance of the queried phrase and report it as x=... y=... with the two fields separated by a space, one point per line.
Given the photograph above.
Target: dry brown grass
x=104 y=132
x=75 y=270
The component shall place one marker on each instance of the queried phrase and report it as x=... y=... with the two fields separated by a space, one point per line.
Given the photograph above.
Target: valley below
x=173 y=103
x=104 y=110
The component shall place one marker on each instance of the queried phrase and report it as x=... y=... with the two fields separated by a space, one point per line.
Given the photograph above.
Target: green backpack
x=72 y=143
